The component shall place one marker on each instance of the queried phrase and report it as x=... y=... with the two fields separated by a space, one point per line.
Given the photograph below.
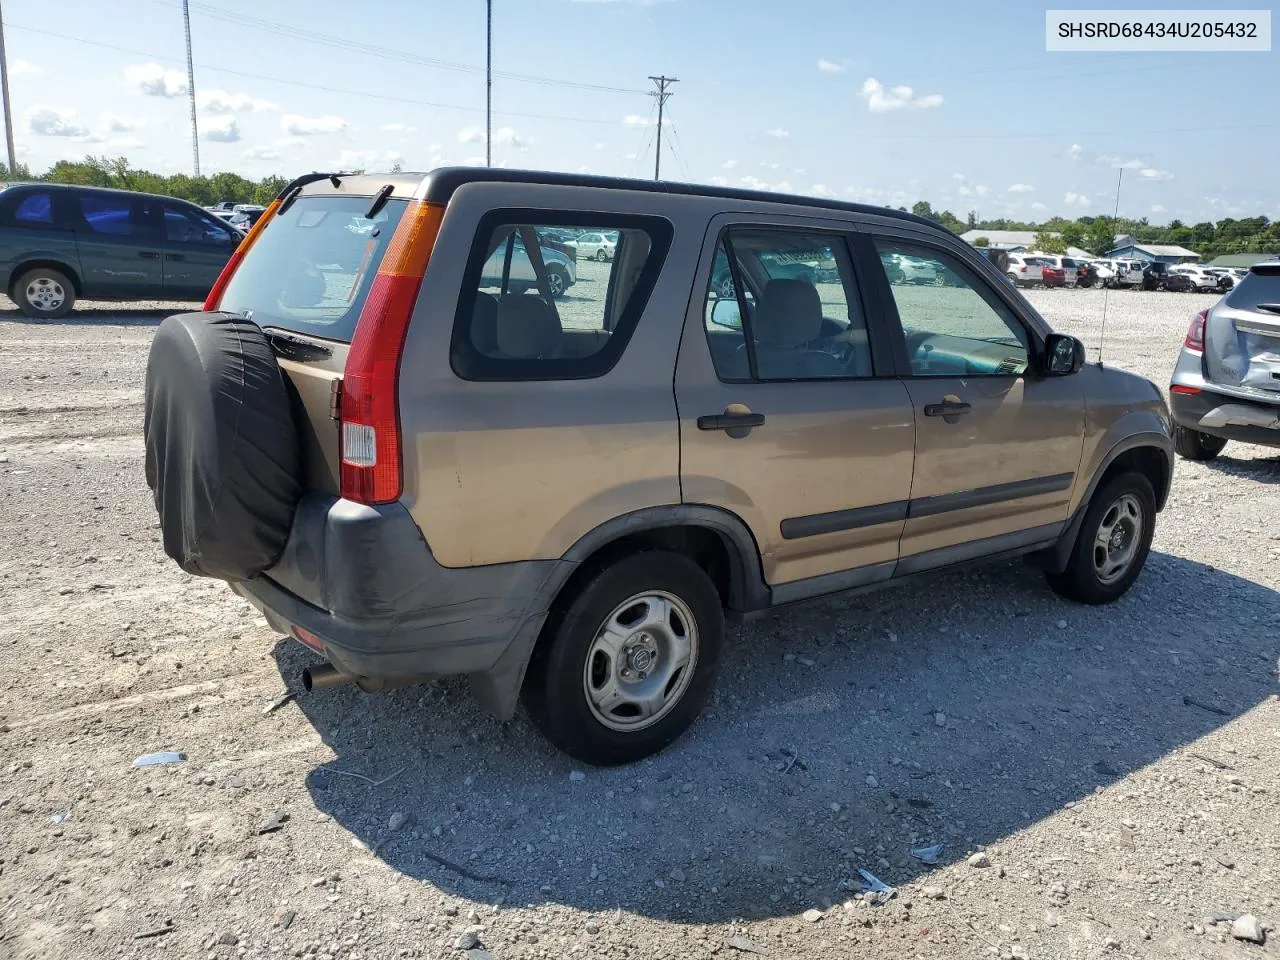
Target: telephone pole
x=191 y=89
x=661 y=96
x=488 y=84
x=8 y=111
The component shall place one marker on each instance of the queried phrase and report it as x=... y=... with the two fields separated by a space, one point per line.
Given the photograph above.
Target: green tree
x=981 y=242
x=1100 y=237
x=1047 y=242
x=1073 y=234
x=973 y=219
x=921 y=208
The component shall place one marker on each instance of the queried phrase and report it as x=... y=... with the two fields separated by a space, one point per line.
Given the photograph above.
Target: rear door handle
x=148 y=255
x=731 y=421
x=175 y=256
x=950 y=407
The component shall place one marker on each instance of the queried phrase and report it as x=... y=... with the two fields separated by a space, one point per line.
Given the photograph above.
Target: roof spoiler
x=1268 y=268
x=307 y=178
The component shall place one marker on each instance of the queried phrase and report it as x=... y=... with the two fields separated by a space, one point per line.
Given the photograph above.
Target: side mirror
x=725 y=313
x=1063 y=355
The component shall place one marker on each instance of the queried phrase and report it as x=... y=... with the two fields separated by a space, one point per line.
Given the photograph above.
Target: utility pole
x=488 y=84
x=661 y=96
x=191 y=89
x=8 y=111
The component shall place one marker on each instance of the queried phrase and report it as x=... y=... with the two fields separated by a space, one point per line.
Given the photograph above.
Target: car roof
x=439 y=185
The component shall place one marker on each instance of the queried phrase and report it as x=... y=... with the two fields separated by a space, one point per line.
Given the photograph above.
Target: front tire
x=1112 y=544
x=44 y=293
x=557 y=282
x=626 y=666
x=1194 y=445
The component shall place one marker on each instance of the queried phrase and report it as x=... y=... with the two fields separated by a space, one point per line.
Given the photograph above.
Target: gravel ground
x=1104 y=780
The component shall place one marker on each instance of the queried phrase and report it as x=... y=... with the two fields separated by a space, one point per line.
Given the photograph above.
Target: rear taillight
x=214 y=298
x=1022 y=269
x=1195 y=332
x=370 y=436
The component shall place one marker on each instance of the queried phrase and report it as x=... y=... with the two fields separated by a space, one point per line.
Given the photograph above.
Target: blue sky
x=958 y=104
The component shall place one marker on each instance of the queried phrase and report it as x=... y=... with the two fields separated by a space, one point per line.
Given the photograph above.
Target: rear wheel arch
x=718 y=541
x=35 y=263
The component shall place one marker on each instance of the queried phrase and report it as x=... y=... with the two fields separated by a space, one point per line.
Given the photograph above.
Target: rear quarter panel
x=22 y=245
x=507 y=471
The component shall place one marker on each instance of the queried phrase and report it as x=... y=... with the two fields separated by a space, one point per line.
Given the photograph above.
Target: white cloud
x=126 y=143
x=829 y=66
x=508 y=137
x=1021 y=188
x=820 y=190
x=1151 y=173
x=1037 y=205
x=220 y=129
x=777 y=133
x=113 y=123
x=471 y=135
x=219 y=101
x=398 y=128
x=1076 y=199
x=600 y=146
x=24 y=68
x=798 y=171
x=728 y=164
x=958 y=177
x=299 y=126
x=720 y=181
x=373 y=160
x=1157 y=208
x=584 y=169
x=882 y=100
x=261 y=152
x=755 y=183
x=770 y=166
x=967 y=191
x=290 y=143
x=473 y=162
x=153 y=80
x=1075 y=151
x=55 y=122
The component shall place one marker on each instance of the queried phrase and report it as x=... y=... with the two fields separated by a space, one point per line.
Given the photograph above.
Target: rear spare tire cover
x=223 y=458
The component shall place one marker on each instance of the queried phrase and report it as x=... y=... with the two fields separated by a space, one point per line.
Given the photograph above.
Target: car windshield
x=311 y=269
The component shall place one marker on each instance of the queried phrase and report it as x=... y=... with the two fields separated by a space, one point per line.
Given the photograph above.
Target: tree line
x=1095 y=234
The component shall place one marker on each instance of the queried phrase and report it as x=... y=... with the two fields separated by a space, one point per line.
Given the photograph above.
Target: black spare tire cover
x=223 y=458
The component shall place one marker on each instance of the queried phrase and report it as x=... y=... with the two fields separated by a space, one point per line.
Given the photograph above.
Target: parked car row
x=1051 y=270
x=242 y=216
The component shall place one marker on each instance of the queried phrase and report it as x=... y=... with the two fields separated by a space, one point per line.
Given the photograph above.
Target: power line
x=677 y=147
x=662 y=97
x=220 y=68
x=380 y=51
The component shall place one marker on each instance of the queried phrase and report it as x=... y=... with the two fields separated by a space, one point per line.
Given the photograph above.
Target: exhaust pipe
x=327 y=675
x=323 y=675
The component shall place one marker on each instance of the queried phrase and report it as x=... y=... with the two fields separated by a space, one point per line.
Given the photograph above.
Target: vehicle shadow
x=1261 y=469
x=113 y=315
x=842 y=734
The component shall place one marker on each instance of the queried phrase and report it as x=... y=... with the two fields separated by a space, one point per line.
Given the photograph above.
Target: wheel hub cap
x=641 y=661
x=1116 y=544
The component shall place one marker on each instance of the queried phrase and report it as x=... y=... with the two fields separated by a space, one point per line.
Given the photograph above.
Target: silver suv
x=1226 y=384
x=392 y=432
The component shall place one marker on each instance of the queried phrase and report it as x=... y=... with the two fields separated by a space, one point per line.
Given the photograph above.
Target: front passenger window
x=954 y=327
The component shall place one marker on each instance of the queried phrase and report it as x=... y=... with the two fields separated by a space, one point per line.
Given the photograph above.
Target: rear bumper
x=364 y=581
x=1228 y=417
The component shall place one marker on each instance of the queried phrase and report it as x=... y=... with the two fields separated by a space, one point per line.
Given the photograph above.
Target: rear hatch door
x=304 y=282
x=1242 y=335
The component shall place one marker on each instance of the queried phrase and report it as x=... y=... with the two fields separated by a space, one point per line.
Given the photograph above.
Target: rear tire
x=1112 y=544
x=612 y=655
x=45 y=293
x=557 y=281
x=1194 y=445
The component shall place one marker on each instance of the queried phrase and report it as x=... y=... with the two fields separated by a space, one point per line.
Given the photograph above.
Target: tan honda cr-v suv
x=425 y=437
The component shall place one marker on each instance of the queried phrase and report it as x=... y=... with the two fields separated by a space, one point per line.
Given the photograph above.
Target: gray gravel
x=1116 y=768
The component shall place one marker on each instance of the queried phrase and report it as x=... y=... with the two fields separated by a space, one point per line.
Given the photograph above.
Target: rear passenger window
x=109 y=215
x=34 y=208
x=803 y=316
x=532 y=308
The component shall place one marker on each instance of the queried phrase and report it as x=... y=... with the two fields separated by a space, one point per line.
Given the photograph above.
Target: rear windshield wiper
x=295 y=348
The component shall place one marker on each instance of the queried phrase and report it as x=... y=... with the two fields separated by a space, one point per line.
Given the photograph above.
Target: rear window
x=312 y=267
x=1257 y=286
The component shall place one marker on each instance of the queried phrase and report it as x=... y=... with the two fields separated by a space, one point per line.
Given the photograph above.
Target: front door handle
x=149 y=254
x=175 y=256
x=950 y=409
x=737 y=420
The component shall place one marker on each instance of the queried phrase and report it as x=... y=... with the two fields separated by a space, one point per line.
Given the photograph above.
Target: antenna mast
x=1106 y=291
